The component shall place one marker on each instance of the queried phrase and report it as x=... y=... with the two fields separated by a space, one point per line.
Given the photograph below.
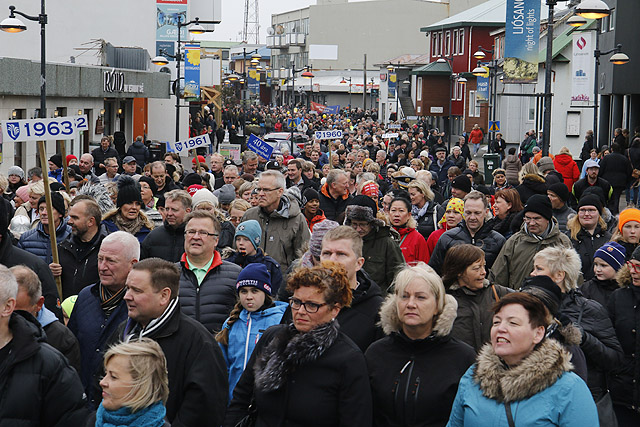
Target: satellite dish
x=279 y=29
x=271 y=31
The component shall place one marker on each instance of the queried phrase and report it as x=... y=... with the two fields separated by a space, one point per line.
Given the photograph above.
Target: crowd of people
x=357 y=281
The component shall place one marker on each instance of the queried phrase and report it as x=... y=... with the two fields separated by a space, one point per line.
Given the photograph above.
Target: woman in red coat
x=475 y=137
x=564 y=163
x=412 y=244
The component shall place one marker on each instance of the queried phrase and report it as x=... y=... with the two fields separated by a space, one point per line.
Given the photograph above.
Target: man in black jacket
x=39 y=387
x=295 y=177
x=78 y=255
x=198 y=384
x=102 y=153
x=30 y=299
x=592 y=179
x=473 y=230
x=167 y=241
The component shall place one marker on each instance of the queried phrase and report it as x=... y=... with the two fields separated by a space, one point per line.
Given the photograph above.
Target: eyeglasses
x=265 y=190
x=634 y=268
x=529 y=219
x=587 y=211
x=310 y=307
x=192 y=233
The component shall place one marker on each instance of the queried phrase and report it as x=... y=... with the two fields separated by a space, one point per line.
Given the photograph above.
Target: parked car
x=281 y=140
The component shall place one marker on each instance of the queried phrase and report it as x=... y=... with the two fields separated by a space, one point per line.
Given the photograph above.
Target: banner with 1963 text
x=522 y=41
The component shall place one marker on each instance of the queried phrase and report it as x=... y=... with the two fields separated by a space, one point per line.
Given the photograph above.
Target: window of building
x=447 y=43
x=472 y=104
x=456 y=49
x=434 y=50
x=461 y=41
x=454 y=90
x=440 y=44
x=532 y=109
x=419 y=89
x=461 y=87
x=305 y=26
x=612 y=20
x=604 y=24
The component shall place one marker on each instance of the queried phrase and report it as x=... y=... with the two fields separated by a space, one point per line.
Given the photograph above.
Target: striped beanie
x=613 y=254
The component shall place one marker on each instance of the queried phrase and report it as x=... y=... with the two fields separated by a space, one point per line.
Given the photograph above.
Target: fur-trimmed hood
x=623 y=277
x=534 y=177
x=537 y=372
x=390 y=322
x=145 y=220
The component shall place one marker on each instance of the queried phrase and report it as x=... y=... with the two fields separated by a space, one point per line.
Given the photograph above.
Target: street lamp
x=344 y=81
x=371 y=92
x=593 y=9
x=309 y=75
x=293 y=86
x=161 y=59
x=493 y=72
x=391 y=68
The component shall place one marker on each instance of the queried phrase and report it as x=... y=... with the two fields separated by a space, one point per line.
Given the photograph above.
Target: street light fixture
x=576 y=21
x=593 y=9
x=619 y=58
x=344 y=81
x=479 y=54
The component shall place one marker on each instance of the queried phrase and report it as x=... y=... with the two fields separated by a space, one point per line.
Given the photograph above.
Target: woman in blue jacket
x=522 y=378
x=254 y=312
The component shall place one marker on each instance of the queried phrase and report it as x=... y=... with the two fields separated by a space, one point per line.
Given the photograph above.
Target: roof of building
x=436 y=68
x=406 y=59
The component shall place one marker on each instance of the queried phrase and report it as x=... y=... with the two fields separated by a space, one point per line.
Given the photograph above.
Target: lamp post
x=452 y=80
x=344 y=81
x=371 y=92
x=293 y=86
x=309 y=75
x=161 y=60
x=391 y=68
x=493 y=72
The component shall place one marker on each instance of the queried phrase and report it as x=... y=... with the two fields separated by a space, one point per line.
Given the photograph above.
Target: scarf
x=128 y=225
x=417 y=212
x=151 y=416
x=132 y=328
x=108 y=300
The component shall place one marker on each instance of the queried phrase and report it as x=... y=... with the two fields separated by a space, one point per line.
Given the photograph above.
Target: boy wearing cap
x=247 y=241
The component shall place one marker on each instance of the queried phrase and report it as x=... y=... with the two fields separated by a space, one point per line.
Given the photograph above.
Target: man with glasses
x=539 y=230
x=207 y=283
x=111 y=174
x=167 y=241
x=284 y=227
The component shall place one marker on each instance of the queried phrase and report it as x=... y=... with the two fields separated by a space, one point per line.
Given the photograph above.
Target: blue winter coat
x=37 y=242
x=244 y=335
x=57 y=174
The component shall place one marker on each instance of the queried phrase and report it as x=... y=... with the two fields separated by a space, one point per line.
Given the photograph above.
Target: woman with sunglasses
x=308 y=372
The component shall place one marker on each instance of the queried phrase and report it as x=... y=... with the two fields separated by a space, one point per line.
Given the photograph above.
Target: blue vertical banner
x=268 y=77
x=522 y=41
x=391 y=84
x=167 y=18
x=253 y=81
x=192 y=71
x=482 y=85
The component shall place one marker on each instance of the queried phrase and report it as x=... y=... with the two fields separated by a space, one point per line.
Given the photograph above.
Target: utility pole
x=364 y=92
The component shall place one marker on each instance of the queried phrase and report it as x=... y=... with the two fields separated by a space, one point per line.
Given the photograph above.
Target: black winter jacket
x=414 y=382
x=332 y=208
x=198 y=380
x=624 y=311
x=599 y=342
x=328 y=388
x=599 y=290
x=166 y=242
x=586 y=244
x=11 y=256
x=616 y=169
x=140 y=152
x=271 y=264
x=531 y=184
x=427 y=222
x=583 y=184
x=99 y=156
x=63 y=340
x=79 y=272
x=210 y=302
x=486 y=238
x=38 y=386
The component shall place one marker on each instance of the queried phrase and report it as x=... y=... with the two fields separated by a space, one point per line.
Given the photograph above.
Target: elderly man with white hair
x=100 y=308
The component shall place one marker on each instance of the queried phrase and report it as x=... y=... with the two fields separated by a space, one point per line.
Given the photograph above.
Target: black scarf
x=108 y=300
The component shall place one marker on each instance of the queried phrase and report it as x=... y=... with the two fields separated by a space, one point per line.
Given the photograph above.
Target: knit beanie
x=203 y=161
x=590 y=200
x=462 y=182
x=561 y=190
x=226 y=194
x=16 y=170
x=539 y=204
x=545 y=290
x=361 y=208
x=56 y=159
x=613 y=254
x=595 y=191
x=545 y=164
x=190 y=179
x=319 y=230
x=71 y=157
x=255 y=275
x=193 y=188
x=57 y=186
x=150 y=182
x=203 y=195
x=636 y=254
x=23 y=193
x=627 y=215
x=57 y=202
x=308 y=195
x=128 y=191
x=370 y=189
x=251 y=230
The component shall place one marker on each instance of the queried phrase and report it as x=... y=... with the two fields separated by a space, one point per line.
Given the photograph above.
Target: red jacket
x=476 y=136
x=412 y=245
x=565 y=164
x=316 y=219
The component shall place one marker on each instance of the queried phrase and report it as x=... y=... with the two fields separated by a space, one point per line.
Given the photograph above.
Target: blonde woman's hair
x=558 y=259
x=422 y=187
x=148 y=369
x=574 y=227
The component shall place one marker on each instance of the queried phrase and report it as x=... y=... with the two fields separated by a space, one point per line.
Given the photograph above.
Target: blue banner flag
x=482 y=83
x=522 y=41
x=391 y=84
x=260 y=147
x=253 y=81
x=192 y=71
x=332 y=109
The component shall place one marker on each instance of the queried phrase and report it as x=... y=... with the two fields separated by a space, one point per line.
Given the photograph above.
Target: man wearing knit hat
x=382 y=254
x=559 y=194
x=247 y=242
x=592 y=179
x=55 y=167
x=37 y=240
x=539 y=230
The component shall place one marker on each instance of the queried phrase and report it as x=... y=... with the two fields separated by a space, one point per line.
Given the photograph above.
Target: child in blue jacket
x=254 y=312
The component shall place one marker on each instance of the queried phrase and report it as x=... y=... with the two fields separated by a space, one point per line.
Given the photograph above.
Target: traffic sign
x=328 y=134
x=261 y=148
x=494 y=126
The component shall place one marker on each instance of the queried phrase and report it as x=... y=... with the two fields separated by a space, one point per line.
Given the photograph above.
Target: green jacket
x=515 y=260
x=382 y=256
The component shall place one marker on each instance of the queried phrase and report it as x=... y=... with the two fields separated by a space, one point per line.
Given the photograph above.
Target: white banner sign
x=190 y=144
x=394 y=126
x=44 y=129
x=582 y=67
x=389 y=135
x=328 y=134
